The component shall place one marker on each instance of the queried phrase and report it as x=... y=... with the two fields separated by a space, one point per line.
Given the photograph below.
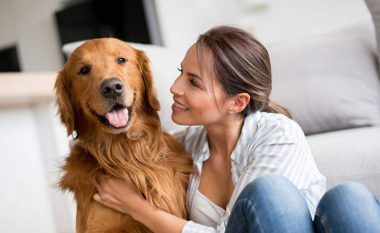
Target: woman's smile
x=178 y=107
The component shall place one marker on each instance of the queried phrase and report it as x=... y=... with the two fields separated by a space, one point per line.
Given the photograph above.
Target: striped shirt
x=268 y=144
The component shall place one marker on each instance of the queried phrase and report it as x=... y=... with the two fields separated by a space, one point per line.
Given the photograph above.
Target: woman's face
x=196 y=102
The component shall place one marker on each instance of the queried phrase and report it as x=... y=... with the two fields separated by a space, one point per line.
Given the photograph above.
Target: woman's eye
x=121 y=60
x=180 y=70
x=193 y=82
x=84 y=70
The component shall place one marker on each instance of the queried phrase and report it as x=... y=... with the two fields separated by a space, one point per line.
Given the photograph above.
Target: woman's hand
x=120 y=195
x=123 y=196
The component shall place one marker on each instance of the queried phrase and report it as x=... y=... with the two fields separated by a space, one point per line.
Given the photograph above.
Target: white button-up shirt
x=269 y=144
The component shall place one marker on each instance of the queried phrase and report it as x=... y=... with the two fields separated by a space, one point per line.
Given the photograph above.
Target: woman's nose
x=176 y=88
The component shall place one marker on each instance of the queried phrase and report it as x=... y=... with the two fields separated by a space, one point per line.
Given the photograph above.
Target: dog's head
x=105 y=84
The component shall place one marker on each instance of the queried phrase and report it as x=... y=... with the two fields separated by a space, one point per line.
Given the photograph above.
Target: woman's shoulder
x=277 y=119
x=188 y=132
x=278 y=126
x=190 y=137
x=275 y=134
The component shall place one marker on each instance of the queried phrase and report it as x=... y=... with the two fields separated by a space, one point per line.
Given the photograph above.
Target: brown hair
x=242 y=65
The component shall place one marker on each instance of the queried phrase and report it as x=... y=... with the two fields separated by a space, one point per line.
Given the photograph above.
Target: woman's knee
x=351 y=207
x=345 y=194
x=355 y=188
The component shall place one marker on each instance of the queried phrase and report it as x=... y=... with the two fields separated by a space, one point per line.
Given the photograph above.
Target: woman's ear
x=63 y=101
x=239 y=102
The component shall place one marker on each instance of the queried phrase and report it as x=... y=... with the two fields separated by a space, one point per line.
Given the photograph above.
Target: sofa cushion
x=328 y=81
x=349 y=155
x=374 y=8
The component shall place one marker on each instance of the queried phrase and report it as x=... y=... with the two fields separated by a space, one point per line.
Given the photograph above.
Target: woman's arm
x=157 y=220
x=123 y=196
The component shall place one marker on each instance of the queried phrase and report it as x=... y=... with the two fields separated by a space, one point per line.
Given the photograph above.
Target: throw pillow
x=374 y=9
x=328 y=82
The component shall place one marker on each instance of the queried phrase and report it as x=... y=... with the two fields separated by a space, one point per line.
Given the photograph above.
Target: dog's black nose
x=111 y=88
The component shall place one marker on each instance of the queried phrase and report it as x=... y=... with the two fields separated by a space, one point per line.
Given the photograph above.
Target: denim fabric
x=348 y=208
x=273 y=204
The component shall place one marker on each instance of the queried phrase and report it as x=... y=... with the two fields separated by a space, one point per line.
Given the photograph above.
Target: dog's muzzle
x=112 y=88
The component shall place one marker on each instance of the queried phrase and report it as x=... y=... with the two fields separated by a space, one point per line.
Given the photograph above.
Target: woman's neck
x=223 y=137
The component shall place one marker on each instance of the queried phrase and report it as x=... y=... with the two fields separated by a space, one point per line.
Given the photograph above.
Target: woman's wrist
x=139 y=210
x=157 y=220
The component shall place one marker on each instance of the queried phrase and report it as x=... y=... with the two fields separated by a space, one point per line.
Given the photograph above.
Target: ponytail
x=242 y=65
x=273 y=107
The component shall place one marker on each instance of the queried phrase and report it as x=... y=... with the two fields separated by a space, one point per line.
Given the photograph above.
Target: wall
x=182 y=21
x=270 y=20
x=23 y=181
x=281 y=20
x=30 y=24
x=32 y=145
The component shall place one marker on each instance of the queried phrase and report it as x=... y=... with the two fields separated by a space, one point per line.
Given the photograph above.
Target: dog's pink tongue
x=118 y=118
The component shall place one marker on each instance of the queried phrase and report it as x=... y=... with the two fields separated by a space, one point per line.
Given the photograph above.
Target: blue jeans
x=273 y=204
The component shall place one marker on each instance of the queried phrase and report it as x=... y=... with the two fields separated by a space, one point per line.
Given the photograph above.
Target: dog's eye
x=84 y=70
x=121 y=60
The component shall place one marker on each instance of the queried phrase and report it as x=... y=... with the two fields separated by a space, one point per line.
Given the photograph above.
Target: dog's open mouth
x=117 y=117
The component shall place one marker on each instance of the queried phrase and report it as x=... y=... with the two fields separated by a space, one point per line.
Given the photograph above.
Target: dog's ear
x=64 y=101
x=150 y=98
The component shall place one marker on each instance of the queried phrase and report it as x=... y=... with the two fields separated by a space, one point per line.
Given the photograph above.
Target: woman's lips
x=177 y=107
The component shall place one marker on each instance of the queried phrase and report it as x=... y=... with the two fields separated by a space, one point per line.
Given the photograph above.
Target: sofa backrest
x=329 y=81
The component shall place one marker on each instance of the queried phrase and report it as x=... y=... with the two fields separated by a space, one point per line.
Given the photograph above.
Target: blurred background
x=32 y=141
x=33 y=31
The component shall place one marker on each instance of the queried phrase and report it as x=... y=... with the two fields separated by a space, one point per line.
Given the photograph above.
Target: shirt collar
x=203 y=152
x=249 y=126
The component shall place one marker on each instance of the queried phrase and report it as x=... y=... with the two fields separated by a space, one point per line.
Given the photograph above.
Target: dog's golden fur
x=140 y=150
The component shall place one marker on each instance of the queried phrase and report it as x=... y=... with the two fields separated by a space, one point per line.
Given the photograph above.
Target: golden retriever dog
x=106 y=99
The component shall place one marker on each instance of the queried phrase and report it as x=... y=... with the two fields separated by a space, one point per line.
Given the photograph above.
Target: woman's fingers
x=121 y=195
x=97 y=197
x=105 y=184
x=108 y=190
x=108 y=203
